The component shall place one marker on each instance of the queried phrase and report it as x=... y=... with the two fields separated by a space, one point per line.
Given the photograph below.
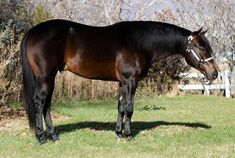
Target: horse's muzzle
x=211 y=76
x=210 y=70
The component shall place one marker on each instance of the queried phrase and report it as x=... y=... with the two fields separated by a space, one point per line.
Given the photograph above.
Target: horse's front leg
x=126 y=105
x=129 y=106
x=120 y=114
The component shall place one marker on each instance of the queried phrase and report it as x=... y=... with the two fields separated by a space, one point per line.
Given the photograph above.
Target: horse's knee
x=121 y=108
x=129 y=109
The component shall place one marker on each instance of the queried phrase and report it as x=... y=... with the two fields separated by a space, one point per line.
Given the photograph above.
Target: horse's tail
x=29 y=84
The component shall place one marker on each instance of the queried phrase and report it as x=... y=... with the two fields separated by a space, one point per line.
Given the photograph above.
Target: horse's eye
x=200 y=47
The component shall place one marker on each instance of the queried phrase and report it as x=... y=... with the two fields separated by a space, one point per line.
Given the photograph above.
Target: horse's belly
x=93 y=70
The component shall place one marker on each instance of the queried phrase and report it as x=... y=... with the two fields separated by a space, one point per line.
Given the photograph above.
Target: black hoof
x=128 y=136
x=53 y=137
x=119 y=135
x=42 y=139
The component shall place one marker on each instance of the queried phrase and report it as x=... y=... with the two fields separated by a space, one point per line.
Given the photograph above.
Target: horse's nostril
x=215 y=75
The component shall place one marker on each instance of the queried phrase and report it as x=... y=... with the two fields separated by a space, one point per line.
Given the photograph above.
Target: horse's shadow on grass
x=137 y=126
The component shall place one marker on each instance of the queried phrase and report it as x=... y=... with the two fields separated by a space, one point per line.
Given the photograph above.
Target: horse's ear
x=198 y=32
x=203 y=32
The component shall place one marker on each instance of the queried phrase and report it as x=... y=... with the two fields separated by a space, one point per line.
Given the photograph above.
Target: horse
x=121 y=52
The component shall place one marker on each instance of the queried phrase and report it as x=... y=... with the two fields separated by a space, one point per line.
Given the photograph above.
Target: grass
x=183 y=126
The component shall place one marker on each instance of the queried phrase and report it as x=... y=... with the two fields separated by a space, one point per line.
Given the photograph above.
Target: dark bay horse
x=120 y=52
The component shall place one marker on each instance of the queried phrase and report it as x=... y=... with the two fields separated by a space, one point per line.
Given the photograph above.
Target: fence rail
x=224 y=83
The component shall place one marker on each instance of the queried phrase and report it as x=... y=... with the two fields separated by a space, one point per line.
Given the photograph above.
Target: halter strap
x=190 y=50
x=197 y=57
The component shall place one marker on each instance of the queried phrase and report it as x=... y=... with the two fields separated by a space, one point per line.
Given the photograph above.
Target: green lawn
x=183 y=126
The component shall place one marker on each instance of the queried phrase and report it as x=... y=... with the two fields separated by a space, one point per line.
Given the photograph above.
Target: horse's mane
x=154 y=35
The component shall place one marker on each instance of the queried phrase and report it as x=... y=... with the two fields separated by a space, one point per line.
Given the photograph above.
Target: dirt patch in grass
x=174 y=130
x=10 y=113
x=13 y=124
x=14 y=119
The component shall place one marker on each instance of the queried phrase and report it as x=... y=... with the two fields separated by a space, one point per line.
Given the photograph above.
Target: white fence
x=223 y=84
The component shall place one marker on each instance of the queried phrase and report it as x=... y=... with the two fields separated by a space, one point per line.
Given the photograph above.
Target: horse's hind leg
x=47 y=115
x=41 y=93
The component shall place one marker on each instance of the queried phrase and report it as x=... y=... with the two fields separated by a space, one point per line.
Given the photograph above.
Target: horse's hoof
x=54 y=137
x=128 y=136
x=119 y=135
x=42 y=139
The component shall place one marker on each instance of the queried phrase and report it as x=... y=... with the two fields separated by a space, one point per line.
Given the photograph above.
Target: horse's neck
x=169 y=49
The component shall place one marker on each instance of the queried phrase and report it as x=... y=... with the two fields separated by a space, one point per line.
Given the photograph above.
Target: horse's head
x=198 y=54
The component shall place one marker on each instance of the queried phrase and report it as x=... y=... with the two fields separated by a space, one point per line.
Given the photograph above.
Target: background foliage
x=15 y=19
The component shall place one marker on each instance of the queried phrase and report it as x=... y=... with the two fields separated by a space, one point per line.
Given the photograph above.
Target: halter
x=190 y=50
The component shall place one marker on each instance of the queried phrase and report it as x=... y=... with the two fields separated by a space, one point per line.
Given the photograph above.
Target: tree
x=15 y=19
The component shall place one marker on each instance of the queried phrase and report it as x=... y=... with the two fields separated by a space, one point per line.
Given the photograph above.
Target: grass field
x=183 y=126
